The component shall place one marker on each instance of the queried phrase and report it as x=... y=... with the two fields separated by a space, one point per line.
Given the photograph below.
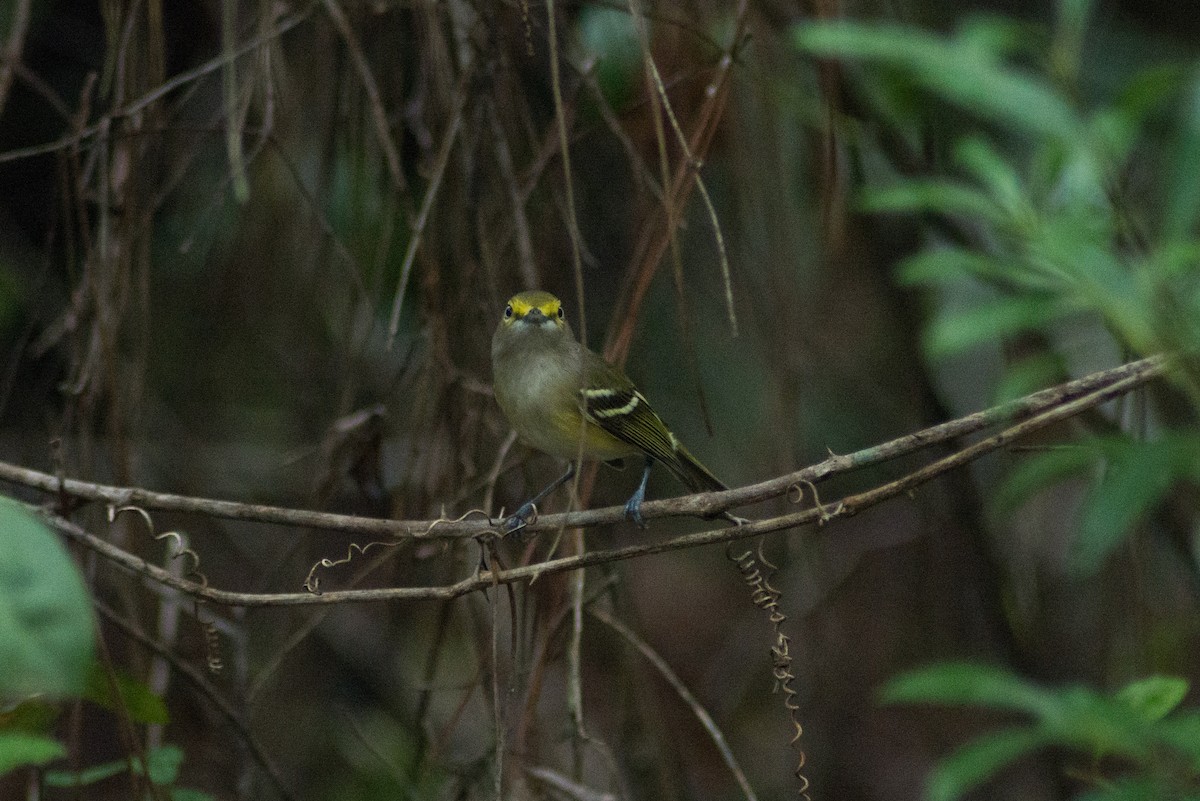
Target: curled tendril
x=823 y=513
x=756 y=570
x=180 y=550
x=312 y=582
x=448 y=521
x=212 y=648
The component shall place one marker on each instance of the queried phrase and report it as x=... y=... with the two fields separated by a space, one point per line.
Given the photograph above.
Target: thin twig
x=683 y=692
x=11 y=56
x=374 y=100
x=417 y=229
x=76 y=137
x=654 y=236
x=201 y=683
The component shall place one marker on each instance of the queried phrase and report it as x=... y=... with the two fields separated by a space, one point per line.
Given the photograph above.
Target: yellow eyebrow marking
x=525 y=302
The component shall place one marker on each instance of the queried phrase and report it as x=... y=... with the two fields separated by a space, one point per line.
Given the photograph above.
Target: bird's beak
x=535 y=317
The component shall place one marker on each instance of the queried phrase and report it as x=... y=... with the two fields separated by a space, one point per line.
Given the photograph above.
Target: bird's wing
x=614 y=404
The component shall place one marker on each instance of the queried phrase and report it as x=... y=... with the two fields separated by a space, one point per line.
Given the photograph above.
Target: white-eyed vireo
x=565 y=400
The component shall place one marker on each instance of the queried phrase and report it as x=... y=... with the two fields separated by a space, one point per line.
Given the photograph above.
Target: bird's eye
x=560 y=312
x=508 y=312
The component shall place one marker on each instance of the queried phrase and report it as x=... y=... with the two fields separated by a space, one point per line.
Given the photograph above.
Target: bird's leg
x=520 y=518
x=633 y=506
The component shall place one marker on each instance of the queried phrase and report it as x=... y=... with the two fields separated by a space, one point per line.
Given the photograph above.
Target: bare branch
x=705 y=504
x=1130 y=377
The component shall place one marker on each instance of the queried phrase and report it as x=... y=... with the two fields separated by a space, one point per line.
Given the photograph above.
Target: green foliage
x=161 y=767
x=19 y=748
x=1047 y=239
x=609 y=36
x=1129 y=479
x=1137 y=726
x=1053 y=215
x=46 y=631
x=133 y=696
x=1053 y=235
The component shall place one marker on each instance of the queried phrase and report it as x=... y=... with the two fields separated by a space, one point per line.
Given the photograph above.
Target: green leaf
x=989 y=322
x=46 y=632
x=1133 y=788
x=1144 y=95
x=1038 y=471
x=21 y=748
x=189 y=794
x=1095 y=724
x=1182 y=733
x=934 y=197
x=962 y=72
x=1182 y=206
x=1154 y=697
x=81 y=778
x=162 y=764
x=965 y=683
x=980 y=759
x=990 y=169
x=609 y=37
x=1029 y=375
x=1136 y=480
x=135 y=697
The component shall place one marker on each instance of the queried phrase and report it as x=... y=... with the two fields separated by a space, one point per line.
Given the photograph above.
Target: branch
x=1069 y=402
x=705 y=504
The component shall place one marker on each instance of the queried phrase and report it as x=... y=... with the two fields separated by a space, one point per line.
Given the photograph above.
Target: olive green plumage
x=568 y=402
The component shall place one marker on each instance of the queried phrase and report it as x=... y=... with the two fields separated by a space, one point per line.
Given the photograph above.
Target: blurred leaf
x=609 y=36
x=1148 y=91
x=20 y=748
x=979 y=759
x=1096 y=724
x=1182 y=733
x=933 y=196
x=961 y=72
x=1040 y=470
x=1174 y=260
x=1133 y=788
x=34 y=716
x=990 y=321
x=1154 y=697
x=141 y=705
x=96 y=773
x=162 y=764
x=1029 y=375
x=992 y=36
x=45 y=613
x=991 y=170
x=1137 y=478
x=189 y=794
x=947 y=265
x=1182 y=203
x=944 y=265
x=965 y=683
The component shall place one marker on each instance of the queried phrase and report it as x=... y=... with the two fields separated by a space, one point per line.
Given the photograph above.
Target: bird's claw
x=518 y=519
x=633 y=511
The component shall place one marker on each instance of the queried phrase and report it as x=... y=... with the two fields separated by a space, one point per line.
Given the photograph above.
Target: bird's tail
x=691 y=472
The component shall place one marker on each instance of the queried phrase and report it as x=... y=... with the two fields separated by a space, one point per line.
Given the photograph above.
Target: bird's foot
x=633 y=508
x=519 y=519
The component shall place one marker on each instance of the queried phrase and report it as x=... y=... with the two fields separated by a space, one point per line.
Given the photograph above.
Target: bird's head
x=534 y=311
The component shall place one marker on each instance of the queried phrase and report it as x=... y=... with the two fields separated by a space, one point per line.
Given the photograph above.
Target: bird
x=566 y=401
